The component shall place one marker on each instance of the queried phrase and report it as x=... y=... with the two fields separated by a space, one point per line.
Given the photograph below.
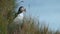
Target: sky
x=45 y=10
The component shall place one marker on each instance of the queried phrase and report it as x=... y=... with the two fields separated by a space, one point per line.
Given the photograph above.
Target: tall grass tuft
x=6 y=9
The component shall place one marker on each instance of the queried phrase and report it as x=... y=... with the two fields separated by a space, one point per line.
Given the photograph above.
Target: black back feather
x=19 y=11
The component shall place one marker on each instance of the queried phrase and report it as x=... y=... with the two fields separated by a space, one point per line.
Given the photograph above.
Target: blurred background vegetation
x=29 y=24
x=6 y=11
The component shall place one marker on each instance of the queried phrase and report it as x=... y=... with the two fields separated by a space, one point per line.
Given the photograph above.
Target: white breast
x=19 y=18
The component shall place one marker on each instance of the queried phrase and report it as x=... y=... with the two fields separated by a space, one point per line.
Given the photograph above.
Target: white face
x=23 y=9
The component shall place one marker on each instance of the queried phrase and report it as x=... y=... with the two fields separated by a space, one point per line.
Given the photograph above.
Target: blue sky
x=45 y=10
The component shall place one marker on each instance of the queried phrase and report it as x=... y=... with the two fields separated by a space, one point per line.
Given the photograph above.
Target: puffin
x=19 y=15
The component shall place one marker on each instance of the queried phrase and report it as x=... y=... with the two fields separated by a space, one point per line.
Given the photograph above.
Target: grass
x=29 y=26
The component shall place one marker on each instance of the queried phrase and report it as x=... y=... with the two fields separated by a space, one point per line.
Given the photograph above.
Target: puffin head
x=21 y=9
